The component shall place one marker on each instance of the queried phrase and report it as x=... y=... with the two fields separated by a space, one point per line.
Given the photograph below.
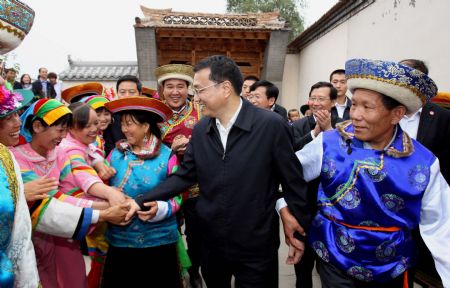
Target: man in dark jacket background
x=42 y=88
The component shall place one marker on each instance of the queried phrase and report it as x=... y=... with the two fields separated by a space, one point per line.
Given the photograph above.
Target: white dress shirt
x=58 y=87
x=341 y=108
x=411 y=124
x=225 y=131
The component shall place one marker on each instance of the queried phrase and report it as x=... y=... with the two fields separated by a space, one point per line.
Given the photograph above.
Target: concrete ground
x=286 y=272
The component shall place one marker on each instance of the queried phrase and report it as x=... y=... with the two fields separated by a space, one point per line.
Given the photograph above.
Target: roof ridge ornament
x=169 y=18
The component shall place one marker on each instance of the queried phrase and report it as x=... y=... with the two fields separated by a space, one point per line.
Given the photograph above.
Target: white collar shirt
x=341 y=108
x=411 y=124
x=225 y=131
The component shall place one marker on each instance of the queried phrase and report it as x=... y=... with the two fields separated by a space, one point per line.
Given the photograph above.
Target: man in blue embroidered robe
x=377 y=184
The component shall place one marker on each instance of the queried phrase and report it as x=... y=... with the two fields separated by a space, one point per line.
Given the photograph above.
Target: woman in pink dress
x=60 y=261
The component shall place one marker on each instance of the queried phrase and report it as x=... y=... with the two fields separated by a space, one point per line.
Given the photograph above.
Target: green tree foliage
x=288 y=10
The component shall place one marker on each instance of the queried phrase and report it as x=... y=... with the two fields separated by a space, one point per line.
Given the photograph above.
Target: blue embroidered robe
x=368 y=203
x=137 y=177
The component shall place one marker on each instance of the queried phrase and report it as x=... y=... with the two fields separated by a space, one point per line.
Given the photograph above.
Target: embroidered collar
x=149 y=151
x=400 y=146
x=180 y=111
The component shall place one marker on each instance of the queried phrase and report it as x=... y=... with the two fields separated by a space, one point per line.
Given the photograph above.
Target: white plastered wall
x=383 y=30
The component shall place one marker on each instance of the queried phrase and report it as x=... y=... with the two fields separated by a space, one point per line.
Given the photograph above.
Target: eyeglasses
x=319 y=100
x=198 y=91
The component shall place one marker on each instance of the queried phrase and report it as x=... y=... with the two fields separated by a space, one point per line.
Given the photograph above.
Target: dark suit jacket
x=346 y=116
x=434 y=133
x=301 y=130
x=239 y=186
x=281 y=110
x=36 y=87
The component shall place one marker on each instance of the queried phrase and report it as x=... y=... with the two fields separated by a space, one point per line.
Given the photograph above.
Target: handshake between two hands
x=123 y=213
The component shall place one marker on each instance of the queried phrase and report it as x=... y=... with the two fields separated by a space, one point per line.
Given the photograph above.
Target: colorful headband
x=49 y=110
x=408 y=86
x=95 y=101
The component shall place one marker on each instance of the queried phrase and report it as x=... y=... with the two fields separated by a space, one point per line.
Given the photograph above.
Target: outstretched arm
x=183 y=178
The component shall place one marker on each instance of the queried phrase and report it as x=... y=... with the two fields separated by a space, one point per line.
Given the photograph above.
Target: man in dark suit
x=322 y=97
x=280 y=110
x=42 y=88
x=238 y=154
x=434 y=133
x=264 y=94
x=430 y=125
x=343 y=103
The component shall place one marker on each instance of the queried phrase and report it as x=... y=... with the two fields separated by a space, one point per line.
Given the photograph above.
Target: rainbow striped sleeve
x=38 y=208
x=57 y=215
x=84 y=175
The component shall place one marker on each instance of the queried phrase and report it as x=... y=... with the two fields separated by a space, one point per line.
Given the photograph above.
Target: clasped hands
x=323 y=121
x=123 y=213
x=179 y=144
x=122 y=210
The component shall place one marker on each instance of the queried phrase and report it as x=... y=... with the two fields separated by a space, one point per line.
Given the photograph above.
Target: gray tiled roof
x=98 y=71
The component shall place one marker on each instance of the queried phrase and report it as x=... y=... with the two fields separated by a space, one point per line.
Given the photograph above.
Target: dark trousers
x=332 y=277
x=142 y=267
x=255 y=273
x=304 y=268
x=193 y=235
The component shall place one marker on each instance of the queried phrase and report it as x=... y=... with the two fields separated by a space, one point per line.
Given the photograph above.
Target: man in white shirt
x=343 y=103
